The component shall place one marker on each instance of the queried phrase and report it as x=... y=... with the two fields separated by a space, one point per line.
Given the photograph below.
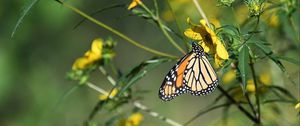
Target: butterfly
x=192 y=74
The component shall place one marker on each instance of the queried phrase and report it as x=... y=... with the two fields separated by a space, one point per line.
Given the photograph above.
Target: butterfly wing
x=199 y=77
x=193 y=74
x=172 y=85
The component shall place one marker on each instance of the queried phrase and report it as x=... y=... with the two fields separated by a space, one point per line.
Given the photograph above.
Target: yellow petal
x=205 y=47
x=250 y=86
x=218 y=61
x=203 y=22
x=216 y=22
x=274 y=20
x=135 y=119
x=229 y=76
x=94 y=56
x=80 y=63
x=97 y=45
x=265 y=78
x=112 y=94
x=192 y=34
x=103 y=97
x=167 y=15
x=221 y=51
x=134 y=3
x=297 y=106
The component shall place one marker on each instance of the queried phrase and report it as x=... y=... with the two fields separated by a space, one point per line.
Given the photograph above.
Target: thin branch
x=238 y=105
x=179 y=28
x=113 y=30
x=256 y=90
x=135 y=103
x=155 y=114
x=200 y=10
x=161 y=26
x=207 y=110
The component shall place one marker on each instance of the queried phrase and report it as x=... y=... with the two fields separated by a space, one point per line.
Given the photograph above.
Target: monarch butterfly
x=192 y=74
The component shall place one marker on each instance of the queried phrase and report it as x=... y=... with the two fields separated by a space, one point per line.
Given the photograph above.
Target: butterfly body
x=192 y=74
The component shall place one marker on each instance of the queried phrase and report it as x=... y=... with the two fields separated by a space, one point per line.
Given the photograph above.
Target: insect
x=192 y=74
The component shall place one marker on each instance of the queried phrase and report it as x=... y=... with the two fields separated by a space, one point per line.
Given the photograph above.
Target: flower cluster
x=254 y=7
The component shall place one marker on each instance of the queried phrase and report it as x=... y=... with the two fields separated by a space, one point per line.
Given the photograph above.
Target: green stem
x=241 y=108
x=239 y=78
x=179 y=28
x=160 y=24
x=114 y=30
x=200 y=10
x=135 y=103
x=256 y=91
x=294 y=27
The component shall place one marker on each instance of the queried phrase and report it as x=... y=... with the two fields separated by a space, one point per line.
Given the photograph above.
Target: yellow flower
x=274 y=20
x=265 y=78
x=229 y=76
x=134 y=3
x=254 y=7
x=209 y=40
x=112 y=94
x=90 y=56
x=134 y=119
x=80 y=63
x=215 y=21
x=167 y=15
x=297 y=106
x=250 y=86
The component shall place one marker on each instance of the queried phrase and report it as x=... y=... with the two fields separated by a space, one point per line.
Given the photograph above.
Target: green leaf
x=95 y=110
x=268 y=52
x=23 y=14
x=284 y=91
x=100 y=11
x=243 y=65
x=141 y=13
x=266 y=49
x=291 y=60
x=65 y=95
x=202 y=112
x=139 y=72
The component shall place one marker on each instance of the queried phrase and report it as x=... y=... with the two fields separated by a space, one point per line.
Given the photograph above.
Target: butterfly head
x=196 y=47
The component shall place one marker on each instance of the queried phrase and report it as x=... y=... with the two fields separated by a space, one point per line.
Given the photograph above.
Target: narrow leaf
x=291 y=60
x=266 y=49
x=96 y=109
x=283 y=91
x=268 y=52
x=243 y=65
x=140 y=71
x=99 y=11
x=23 y=14
x=202 y=112
x=65 y=95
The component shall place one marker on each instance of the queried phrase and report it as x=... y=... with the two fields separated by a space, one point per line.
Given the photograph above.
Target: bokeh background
x=34 y=63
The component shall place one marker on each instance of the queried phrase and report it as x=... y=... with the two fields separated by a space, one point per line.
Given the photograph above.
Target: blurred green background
x=34 y=63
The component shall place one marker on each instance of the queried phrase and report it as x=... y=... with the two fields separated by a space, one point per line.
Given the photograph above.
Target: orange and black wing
x=172 y=85
x=199 y=76
x=192 y=74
